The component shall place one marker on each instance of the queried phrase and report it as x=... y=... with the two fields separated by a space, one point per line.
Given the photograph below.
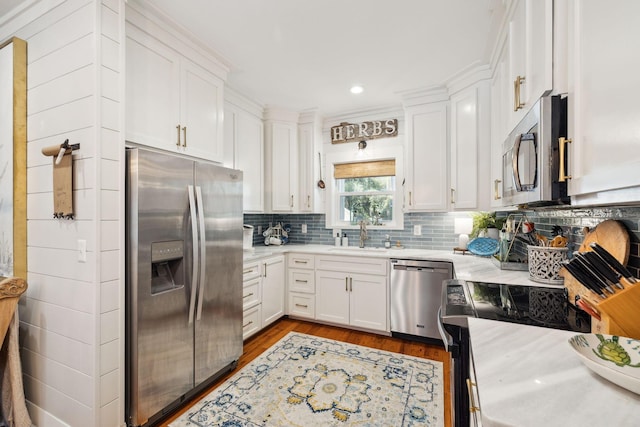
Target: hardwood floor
x=257 y=344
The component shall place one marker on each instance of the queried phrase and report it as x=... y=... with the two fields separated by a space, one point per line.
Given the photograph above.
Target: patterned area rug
x=304 y=380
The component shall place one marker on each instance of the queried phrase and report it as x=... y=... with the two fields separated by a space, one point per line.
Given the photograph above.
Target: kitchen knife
x=586 y=307
x=599 y=280
x=586 y=282
x=601 y=265
x=610 y=259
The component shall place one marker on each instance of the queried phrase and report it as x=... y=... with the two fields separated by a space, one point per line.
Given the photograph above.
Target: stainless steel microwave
x=531 y=156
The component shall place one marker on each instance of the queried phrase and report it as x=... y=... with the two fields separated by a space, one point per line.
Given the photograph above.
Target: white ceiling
x=306 y=54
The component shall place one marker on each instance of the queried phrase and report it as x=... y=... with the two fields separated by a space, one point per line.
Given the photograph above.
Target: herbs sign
x=346 y=132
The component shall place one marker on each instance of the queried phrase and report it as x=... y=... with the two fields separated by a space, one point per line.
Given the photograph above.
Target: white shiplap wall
x=71 y=331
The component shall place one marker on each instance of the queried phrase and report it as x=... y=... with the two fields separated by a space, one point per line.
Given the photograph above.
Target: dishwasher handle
x=425 y=269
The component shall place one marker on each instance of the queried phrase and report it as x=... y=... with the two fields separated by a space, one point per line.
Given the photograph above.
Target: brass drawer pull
x=247 y=324
x=302 y=305
x=248 y=295
x=301 y=281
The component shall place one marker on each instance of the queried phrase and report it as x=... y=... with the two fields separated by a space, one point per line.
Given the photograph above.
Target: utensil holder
x=545 y=263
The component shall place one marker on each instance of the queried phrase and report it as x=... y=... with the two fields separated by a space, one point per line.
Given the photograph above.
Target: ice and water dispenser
x=167 y=259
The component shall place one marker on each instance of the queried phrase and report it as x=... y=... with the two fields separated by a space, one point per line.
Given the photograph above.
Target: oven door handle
x=447 y=340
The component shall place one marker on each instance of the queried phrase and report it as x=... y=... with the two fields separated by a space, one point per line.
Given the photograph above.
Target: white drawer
x=304 y=261
x=251 y=321
x=250 y=270
x=251 y=293
x=348 y=264
x=302 y=305
x=302 y=281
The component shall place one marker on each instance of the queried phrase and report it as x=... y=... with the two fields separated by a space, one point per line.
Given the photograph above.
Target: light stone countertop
x=530 y=376
x=466 y=267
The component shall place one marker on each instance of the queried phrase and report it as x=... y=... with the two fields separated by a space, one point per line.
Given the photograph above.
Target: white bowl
x=614 y=358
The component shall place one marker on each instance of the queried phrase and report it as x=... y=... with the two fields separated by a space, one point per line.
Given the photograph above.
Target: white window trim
x=371 y=154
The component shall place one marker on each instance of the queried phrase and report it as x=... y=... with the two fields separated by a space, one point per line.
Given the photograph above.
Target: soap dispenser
x=345 y=239
x=337 y=243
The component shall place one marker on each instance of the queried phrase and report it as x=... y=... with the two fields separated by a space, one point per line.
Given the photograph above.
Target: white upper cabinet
x=604 y=115
x=281 y=161
x=201 y=112
x=529 y=56
x=173 y=102
x=153 y=91
x=470 y=148
x=310 y=163
x=425 y=185
x=499 y=98
x=244 y=148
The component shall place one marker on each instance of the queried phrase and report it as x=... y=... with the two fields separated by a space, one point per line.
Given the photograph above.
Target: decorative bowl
x=614 y=358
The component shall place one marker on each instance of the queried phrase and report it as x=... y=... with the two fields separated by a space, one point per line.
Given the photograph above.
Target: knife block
x=619 y=313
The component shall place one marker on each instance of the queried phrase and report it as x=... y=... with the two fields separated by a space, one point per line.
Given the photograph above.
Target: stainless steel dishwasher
x=416 y=289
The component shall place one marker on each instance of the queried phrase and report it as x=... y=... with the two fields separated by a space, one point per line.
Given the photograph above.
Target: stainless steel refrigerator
x=183 y=282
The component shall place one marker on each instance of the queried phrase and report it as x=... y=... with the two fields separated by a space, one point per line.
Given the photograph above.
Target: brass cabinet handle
x=309 y=201
x=265 y=270
x=248 y=270
x=248 y=295
x=178 y=139
x=517 y=85
x=247 y=324
x=297 y=261
x=410 y=202
x=562 y=142
x=350 y=284
x=184 y=136
x=453 y=196
x=292 y=200
x=301 y=281
x=472 y=400
x=346 y=284
x=496 y=194
x=302 y=305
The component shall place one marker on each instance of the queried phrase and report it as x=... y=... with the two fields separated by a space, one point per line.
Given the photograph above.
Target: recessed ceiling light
x=356 y=89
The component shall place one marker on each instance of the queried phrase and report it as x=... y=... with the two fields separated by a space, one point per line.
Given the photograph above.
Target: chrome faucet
x=363 y=233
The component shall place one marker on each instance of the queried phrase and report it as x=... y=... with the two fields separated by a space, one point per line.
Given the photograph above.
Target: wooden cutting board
x=612 y=236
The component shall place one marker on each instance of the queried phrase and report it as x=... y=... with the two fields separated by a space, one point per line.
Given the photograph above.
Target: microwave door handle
x=515 y=153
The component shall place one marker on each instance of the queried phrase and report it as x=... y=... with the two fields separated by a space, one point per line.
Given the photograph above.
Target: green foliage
x=368 y=207
x=484 y=220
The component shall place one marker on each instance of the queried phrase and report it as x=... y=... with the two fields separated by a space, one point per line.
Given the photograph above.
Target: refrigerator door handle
x=203 y=251
x=194 y=238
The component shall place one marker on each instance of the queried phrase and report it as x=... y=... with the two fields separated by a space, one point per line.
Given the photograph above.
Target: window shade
x=365 y=169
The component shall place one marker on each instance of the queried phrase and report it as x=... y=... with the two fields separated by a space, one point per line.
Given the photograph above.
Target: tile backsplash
x=437 y=228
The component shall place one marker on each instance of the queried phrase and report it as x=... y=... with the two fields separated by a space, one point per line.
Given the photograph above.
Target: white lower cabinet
x=251 y=299
x=251 y=321
x=348 y=295
x=273 y=287
x=263 y=294
x=301 y=285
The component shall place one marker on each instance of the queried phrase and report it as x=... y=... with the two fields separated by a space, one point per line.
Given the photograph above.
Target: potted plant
x=483 y=222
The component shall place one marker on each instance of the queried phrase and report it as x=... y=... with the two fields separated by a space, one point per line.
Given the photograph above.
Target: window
x=365 y=190
x=369 y=199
